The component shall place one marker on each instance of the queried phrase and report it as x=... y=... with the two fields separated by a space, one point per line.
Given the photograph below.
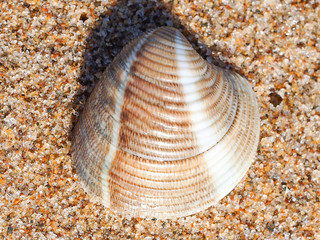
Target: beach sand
x=51 y=56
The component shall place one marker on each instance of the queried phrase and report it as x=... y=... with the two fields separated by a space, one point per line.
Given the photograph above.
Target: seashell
x=164 y=133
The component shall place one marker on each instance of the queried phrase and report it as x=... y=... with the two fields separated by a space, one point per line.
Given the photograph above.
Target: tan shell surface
x=164 y=133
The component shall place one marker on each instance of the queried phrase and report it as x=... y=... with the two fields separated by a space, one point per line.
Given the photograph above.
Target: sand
x=53 y=52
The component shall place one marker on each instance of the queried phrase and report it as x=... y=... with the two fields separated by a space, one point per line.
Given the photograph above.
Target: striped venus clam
x=164 y=133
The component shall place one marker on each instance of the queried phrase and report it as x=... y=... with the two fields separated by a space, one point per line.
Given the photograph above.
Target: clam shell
x=164 y=133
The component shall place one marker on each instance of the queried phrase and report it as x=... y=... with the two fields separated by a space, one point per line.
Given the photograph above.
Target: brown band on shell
x=177 y=188
x=157 y=191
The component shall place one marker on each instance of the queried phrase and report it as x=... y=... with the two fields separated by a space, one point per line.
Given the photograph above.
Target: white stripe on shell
x=220 y=158
x=228 y=163
x=206 y=134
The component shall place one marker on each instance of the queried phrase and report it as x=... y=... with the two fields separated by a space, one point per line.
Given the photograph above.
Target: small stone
x=275 y=99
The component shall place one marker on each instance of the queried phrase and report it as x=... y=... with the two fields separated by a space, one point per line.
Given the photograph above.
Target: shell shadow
x=119 y=25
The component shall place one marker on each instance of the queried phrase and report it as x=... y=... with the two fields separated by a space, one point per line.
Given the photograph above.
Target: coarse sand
x=53 y=52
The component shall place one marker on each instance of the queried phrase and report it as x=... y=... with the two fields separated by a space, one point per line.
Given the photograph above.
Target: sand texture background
x=52 y=54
